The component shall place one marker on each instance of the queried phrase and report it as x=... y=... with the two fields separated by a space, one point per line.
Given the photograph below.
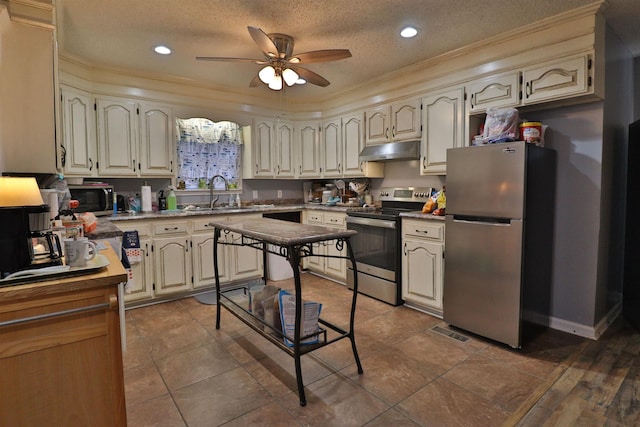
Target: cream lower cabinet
x=202 y=256
x=333 y=268
x=423 y=265
x=172 y=257
x=140 y=286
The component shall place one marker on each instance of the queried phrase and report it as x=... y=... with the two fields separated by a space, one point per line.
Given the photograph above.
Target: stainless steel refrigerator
x=499 y=239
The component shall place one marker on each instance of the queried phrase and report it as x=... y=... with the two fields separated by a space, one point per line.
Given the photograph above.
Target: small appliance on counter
x=93 y=197
x=25 y=217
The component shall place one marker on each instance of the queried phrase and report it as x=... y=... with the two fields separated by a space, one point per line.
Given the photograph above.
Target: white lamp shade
x=16 y=191
x=267 y=74
x=290 y=77
x=276 y=83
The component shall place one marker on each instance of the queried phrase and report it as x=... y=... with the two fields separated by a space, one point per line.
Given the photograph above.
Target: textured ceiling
x=121 y=33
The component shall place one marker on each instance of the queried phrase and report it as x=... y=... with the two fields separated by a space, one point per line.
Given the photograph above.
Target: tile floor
x=181 y=371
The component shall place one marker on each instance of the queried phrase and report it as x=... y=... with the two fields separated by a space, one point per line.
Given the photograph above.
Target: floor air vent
x=456 y=336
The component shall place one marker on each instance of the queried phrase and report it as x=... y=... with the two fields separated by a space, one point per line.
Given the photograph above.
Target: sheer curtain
x=207 y=148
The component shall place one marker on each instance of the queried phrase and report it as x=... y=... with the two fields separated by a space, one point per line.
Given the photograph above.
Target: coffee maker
x=24 y=217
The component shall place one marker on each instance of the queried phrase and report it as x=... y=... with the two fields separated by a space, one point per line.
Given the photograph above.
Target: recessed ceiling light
x=162 y=50
x=408 y=32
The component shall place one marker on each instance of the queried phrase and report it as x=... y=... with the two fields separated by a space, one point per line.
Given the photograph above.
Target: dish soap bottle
x=171 y=200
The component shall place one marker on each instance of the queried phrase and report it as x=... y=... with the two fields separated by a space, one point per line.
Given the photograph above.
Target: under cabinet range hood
x=408 y=150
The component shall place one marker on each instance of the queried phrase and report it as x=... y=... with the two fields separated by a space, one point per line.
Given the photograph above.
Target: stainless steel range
x=377 y=245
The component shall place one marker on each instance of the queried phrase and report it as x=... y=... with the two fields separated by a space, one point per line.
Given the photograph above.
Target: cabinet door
x=332 y=148
x=245 y=262
x=335 y=267
x=443 y=129
x=377 y=126
x=422 y=273
x=263 y=149
x=353 y=143
x=79 y=147
x=117 y=142
x=309 y=144
x=557 y=80
x=284 y=156
x=502 y=90
x=405 y=120
x=156 y=140
x=172 y=260
x=141 y=286
x=202 y=256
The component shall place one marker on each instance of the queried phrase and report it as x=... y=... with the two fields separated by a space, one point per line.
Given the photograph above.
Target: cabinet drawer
x=203 y=224
x=315 y=218
x=337 y=220
x=141 y=228
x=170 y=228
x=424 y=229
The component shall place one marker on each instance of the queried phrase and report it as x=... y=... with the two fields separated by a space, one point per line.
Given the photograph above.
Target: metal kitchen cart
x=293 y=241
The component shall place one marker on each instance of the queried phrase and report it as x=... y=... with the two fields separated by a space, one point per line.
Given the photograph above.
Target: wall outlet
x=279 y=194
x=255 y=194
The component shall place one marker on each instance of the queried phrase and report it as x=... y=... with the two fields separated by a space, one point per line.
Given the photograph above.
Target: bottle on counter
x=162 y=201
x=172 y=203
x=238 y=201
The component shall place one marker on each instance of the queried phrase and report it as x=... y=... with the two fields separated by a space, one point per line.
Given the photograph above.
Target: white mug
x=77 y=253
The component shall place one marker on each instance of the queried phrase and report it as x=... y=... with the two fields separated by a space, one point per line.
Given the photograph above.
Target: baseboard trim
x=591 y=332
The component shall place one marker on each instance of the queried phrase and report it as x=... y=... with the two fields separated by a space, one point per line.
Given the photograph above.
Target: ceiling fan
x=281 y=65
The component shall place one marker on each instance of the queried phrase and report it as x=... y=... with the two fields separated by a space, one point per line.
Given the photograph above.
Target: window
x=206 y=149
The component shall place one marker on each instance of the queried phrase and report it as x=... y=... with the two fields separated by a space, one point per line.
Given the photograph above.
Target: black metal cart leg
x=294 y=260
x=353 y=306
x=216 y=236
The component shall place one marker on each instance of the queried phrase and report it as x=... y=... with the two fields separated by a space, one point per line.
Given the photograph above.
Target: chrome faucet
x=213 y=201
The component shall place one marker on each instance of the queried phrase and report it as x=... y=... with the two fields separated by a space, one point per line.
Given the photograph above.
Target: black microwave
x=93 y=198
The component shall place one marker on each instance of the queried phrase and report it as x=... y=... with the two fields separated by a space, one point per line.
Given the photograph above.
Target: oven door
x=375 y=248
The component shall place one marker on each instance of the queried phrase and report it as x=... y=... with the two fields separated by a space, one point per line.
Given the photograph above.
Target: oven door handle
x=371 y=222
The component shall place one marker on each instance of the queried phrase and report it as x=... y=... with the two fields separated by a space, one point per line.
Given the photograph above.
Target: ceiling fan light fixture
x=408 y=32
x=300 y=81
x=276 y=83
x=290 y=77
x=267 y=74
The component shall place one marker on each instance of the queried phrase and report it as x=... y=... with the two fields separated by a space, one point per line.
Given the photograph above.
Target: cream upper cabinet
x=444 y=123
x=558 y=79
x=117 y=139
x=308 y=142
x=262 y=148
x=79 y=152
x=399 y=121
x=285 y=153
x=331 y=137
x=502 y=90
x=156 y=126
x=271 y=154
x=352 y=144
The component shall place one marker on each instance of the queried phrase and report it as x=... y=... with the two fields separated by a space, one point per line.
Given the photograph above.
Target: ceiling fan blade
x=255 y=82
x=263 y=41
x=310 y=76
x=320 y=56
x=222 y=58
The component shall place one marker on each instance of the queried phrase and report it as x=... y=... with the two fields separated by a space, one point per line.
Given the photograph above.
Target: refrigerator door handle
x=502 y=222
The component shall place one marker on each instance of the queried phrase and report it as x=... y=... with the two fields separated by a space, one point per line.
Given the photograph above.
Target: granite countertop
x=107 y=228
x=282 y=233
x=420 y=215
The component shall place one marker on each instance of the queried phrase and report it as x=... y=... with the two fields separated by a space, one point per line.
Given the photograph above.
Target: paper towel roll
x=53 y=204
x=146 y=198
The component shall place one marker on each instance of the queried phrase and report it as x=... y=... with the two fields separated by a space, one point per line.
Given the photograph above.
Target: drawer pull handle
x=109 y=305
x=422 y=231
x=170 y=228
